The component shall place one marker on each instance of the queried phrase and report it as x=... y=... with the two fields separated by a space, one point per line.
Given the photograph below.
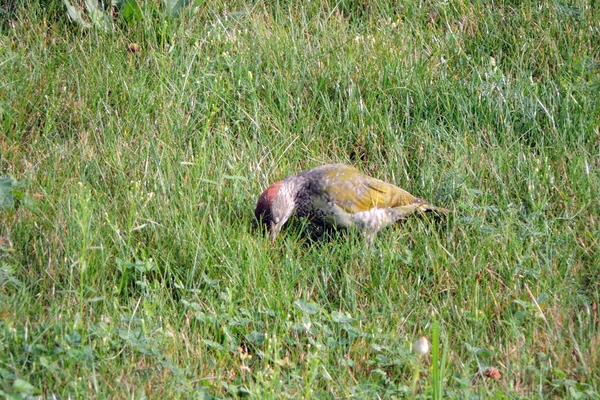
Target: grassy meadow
x=131 y=265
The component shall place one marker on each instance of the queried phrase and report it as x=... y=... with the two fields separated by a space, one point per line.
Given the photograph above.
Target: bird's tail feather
x=423 y=206
x=417 y=206
x=438 y=210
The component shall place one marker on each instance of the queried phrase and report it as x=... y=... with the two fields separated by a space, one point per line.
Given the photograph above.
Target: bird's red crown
x=263 y=206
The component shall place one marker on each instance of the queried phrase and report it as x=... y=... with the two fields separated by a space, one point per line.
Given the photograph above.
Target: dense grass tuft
x=130 y=261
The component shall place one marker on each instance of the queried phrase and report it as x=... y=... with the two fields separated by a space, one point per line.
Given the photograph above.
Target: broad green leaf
x=256 y=338
x=213 y=344
x=308 y=308
x=341 y=318
x=99 y=17
x=174 y=6
x=75 y=14
x=23 y=386
x=7 y=198
x=130 y=10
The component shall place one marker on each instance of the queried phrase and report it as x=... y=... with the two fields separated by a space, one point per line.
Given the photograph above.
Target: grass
x=131 y=266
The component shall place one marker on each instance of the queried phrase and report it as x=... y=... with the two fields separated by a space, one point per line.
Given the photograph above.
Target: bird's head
x=274 y=207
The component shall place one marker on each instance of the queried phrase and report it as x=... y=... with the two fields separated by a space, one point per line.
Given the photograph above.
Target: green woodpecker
x=337 y=195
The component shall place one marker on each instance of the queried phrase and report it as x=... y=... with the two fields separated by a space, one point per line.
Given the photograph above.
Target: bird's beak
x=274 y=231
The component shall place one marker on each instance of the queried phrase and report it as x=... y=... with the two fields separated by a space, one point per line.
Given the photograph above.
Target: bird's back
x=353 y=191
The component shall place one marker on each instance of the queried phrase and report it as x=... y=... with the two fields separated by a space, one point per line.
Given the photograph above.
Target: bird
x=339 y=196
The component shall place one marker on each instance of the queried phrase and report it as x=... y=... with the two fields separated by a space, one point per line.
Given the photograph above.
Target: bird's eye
x=276 y=220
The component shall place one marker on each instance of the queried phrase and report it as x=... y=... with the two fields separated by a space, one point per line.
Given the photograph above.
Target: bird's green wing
x=354 y=192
